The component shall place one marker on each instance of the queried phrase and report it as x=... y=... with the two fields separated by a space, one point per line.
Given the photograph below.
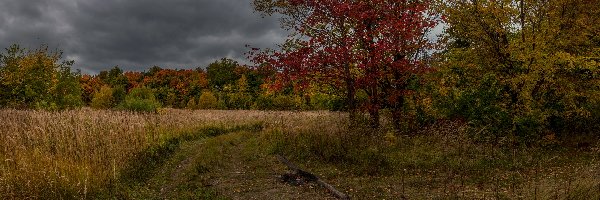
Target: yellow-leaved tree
x=37 y=79
x=522 y=67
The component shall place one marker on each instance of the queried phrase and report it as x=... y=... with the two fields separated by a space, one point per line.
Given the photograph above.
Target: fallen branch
x=311 y=177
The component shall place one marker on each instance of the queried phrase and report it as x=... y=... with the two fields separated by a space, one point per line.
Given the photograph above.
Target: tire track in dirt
x=243 y=171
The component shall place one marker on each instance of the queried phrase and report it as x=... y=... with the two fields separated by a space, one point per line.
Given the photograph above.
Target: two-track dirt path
x=230 y=166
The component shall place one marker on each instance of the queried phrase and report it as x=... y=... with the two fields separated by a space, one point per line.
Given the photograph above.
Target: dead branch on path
x=310 y=177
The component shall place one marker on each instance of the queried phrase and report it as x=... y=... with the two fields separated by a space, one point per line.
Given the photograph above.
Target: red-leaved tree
x=353 y=45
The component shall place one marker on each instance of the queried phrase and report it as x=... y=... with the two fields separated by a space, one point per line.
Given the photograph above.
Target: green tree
x=31 y=79
x=115 y=78
x=67 y=92
x=240 y=98
x=140 y=100
x=118 y=95
x=28 y=76
x=221 y=73
x=8 y=68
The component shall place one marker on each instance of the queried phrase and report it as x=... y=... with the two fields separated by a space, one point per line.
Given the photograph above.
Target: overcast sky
x=138 y=34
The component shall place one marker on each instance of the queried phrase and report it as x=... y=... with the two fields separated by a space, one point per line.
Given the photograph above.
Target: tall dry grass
x=68 y=154
x=71 y=154
x=74 y=154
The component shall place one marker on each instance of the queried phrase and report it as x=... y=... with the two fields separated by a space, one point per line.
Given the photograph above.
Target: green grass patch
x=444 y=161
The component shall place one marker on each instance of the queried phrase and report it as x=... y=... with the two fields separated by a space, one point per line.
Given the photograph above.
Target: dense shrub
x=278 y=102
x=118 y=95
x=239 y=100
x=139 y=105
x=102 y=99
x=207 y=100
x=528 y=106
x=321 y=101
x=140 y=100
x=191 y=104
x=508 y=79
x=286 y=102
x=263 y=102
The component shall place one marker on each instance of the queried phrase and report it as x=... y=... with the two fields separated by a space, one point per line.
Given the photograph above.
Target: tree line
x=223 y=84
x=41 y=79
x=519 y=68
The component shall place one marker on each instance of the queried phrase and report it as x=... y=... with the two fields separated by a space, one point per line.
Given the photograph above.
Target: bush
x=525 y=104
x=191 y=104
x=119 y=94
x=278 y=102
x=239 y=101
x=286 y=102
x=139 y=105
x=263 y=102
x=140 y=100
x=337 y=104
x=320 y=101
x=207 y=100
x=103 y=98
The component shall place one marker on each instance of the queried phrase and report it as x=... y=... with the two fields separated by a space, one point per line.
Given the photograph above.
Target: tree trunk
x=397 y=114
x=350 y=95
x=374 y=107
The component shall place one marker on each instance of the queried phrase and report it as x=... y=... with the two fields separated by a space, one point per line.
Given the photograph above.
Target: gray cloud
x=137 y=34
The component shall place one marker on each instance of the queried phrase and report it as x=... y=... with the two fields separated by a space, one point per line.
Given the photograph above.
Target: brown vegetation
x=85 y=153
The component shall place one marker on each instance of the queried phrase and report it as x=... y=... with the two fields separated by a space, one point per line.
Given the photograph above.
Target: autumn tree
x=393 y=41
x=522 y=66
x=134 y=79
x=174 y=87
x=37 y=79
x=177 y=88
x=325 y=57
x=89 y=85
x=355 y=45
x=103 y=98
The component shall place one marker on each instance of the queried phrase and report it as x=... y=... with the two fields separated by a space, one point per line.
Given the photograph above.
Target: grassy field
x=182 y=154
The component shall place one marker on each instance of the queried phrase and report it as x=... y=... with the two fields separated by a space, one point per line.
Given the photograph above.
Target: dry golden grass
x=66 y=153
x=74 y=154
x=71 y=153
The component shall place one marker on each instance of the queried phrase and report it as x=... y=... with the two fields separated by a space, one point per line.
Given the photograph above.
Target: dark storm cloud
x=137 y=34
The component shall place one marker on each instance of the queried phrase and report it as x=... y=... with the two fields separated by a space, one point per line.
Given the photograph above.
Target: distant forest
x=39 y=79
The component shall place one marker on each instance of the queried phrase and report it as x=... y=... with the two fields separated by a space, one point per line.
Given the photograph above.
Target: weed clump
x=356 y=151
